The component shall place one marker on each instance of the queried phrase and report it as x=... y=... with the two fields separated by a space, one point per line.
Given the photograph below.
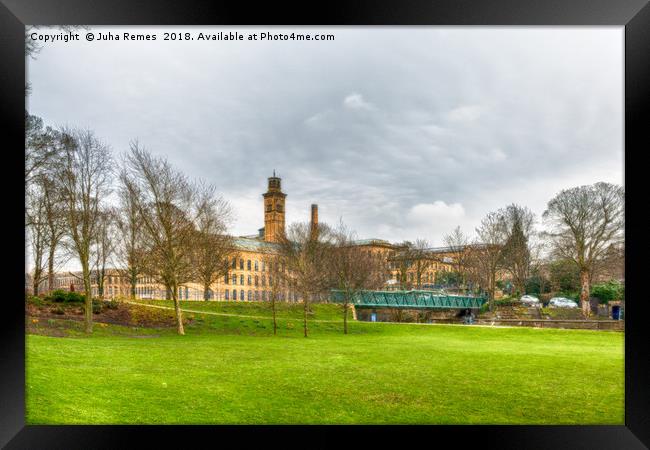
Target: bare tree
x=49 y=212
x=485 y=254
x=84 y=178
x=36 y=217
x=213 y=247
x=103 y=247
x=353 y=268
x=305 y=255
x=42 y=147
x=166 y=205
x=130 y=250
x=458 y=242
x=421 y=258
x=402 y=260
x=273 y=262
x=539 y=264
x=611 y=265
x=518 y=222
x=585 y=221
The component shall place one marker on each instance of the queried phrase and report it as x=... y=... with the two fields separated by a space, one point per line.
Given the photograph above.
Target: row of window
x=254 y=264
x=251 y=280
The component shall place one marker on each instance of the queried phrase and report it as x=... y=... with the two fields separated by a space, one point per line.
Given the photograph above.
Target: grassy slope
x=231 y=370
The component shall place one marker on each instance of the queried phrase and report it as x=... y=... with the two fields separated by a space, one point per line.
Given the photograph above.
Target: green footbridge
x=409 y=299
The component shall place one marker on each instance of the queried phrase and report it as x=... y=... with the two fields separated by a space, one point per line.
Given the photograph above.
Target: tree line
x=583 y=235
x=138 y=215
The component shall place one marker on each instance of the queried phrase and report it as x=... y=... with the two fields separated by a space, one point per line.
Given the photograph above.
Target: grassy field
x=231 y=370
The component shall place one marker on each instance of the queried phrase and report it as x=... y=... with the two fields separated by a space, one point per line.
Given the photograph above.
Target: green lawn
x=232 y=370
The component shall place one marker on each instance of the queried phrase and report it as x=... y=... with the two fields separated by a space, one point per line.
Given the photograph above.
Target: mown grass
x=231 y=370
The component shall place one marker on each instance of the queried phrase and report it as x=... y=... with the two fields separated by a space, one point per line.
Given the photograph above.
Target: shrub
x=507 y=302
x=58 y=310
x=75 y=297
x=111 y=304
x=610 y=291
x=58 y=295
x=97 y=306
x=34 y=300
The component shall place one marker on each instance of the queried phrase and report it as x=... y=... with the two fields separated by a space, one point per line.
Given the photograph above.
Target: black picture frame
x=634 y=15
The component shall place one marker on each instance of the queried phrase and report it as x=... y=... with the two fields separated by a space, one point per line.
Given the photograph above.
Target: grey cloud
x=381 y=127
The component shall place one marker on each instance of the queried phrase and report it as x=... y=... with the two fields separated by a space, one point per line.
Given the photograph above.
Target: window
x=241 y=295
x=257 y=295
x=234 y=279
x=263 y=296
x=250 y=280
x=257 y=280
x=234 y=263
x=241 y=264
x=248 y=265
x=256 y=266
x=263 y=266
x=263 y=280
x=227 y=294
x=241 y=280
x=225 y=279
x=234 y=294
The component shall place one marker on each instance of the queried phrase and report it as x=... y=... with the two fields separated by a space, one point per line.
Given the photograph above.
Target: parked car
x=529 y=300
x=562 y=302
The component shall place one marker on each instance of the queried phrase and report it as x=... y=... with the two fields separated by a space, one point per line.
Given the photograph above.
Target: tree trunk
x=584 y=292
x=206 y=293
x=179 y=316
x=133 y=285
x=50 y=272
x=35 y=285
x=345 y=318
x=89 y=301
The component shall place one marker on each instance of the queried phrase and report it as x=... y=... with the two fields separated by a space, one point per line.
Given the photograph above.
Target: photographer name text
x=182 y=36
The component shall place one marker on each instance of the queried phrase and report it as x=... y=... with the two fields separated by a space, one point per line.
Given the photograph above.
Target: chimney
x=314 y=220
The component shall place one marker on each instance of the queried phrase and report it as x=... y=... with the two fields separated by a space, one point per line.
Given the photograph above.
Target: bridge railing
x=408 y=299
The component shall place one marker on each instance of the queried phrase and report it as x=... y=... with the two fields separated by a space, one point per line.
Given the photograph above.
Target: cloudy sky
x=403 y=132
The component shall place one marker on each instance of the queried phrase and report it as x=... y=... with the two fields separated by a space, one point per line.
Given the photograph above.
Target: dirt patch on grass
x=44 y=329
x=117 y=314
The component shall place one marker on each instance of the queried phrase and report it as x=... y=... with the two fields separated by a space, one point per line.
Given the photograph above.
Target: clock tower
x=274 y=210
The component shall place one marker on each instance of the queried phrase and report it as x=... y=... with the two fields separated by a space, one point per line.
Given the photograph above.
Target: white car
x=529 y=300
x=562 y=302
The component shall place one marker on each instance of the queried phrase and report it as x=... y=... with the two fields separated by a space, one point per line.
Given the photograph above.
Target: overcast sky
x=403 y=132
